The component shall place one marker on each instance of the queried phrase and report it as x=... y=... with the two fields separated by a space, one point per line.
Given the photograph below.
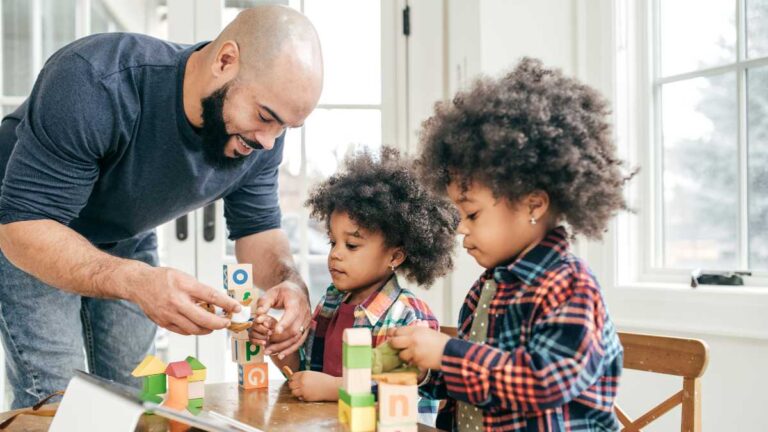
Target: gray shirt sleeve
x=67 y=128
x=254 y=206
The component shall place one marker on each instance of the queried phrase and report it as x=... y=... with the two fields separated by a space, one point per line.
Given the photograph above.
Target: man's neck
x=193 y=108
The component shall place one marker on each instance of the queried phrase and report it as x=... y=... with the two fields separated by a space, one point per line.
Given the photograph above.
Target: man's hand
x=421 y=346
x=169 y=298
x=292 y=328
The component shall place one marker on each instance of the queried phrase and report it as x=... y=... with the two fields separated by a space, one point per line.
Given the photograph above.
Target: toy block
x=196 y=390
x=241 y=335
x=151 y=365
x=198 y=369
x=357 y=336
x=357 y=399
x=252 y=376
x=154 y=384
x=245 y=352
x=150 y=398
x=356 y=380
x=356 y=356
x=179 y=369
x=409 y=427
x=195 y=406
x=399 y=378
x=178 y=391
x=359 y=419
x=238 y=281
x=398 y=403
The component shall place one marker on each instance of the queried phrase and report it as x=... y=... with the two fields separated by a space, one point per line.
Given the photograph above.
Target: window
x=348 y=117
x=707 y=200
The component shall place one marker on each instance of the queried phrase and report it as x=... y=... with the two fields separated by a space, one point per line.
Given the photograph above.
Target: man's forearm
x=270 y=254
x=62 y=258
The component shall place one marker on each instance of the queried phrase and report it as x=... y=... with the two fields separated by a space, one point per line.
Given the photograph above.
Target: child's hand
x=261 y=330
x=311 y=386
x=420 y=346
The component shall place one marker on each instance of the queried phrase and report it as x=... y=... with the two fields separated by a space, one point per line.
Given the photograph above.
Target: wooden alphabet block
x=357 y=380
x=409 y=427
x=357 y=399
x=356 y=356
x=238 y=281
x=357 y=336
x=358 y=419
x=398 y=403
x=245 y=352
x=253 y=376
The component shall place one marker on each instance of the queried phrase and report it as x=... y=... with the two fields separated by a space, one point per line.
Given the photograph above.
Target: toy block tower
x=196 y=387
x=152 y=372
x=398 y=402
x=357 y=406
x=252 y=371
x=178 y=385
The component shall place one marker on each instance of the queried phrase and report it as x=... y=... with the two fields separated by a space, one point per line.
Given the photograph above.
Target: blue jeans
x=48 y=333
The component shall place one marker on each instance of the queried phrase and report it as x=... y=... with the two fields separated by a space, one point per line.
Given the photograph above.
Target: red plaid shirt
x=552 y=359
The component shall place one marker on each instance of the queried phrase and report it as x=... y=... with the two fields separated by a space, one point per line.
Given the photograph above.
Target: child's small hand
x=420 y=346
x=311 y=386
x=262 y=329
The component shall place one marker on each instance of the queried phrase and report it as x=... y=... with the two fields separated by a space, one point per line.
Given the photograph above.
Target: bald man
x=122 y=133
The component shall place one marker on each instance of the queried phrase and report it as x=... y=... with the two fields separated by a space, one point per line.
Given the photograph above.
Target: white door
x=357 y=106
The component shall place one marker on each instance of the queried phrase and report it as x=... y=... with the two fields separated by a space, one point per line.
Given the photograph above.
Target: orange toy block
x=178 y=393
x=253 y=376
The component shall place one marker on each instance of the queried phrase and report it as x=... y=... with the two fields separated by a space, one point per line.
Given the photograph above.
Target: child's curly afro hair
x=384 y=195
x=533 y=129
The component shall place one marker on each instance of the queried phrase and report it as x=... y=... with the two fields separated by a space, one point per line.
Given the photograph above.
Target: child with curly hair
x=381 y=221
x=536 y=350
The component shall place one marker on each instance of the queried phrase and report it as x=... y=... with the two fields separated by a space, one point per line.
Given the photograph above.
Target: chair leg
x=691 y=420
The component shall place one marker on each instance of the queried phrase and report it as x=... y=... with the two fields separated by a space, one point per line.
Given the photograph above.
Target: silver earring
x=533 y=220
x=392 y=267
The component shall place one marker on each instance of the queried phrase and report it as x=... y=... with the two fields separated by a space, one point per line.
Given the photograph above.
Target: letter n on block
x=397 y=403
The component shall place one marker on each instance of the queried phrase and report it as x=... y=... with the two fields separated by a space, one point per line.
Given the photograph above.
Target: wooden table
x=272 y=409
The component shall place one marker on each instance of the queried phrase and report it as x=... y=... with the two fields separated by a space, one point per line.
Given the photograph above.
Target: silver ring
x=301 y=329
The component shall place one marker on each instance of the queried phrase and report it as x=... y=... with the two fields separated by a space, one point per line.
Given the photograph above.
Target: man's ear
x=226 y=65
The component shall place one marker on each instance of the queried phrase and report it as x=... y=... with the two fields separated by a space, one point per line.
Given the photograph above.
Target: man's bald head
x=271 y=33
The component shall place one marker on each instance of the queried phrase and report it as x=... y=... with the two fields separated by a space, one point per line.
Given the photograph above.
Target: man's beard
x=214 y=131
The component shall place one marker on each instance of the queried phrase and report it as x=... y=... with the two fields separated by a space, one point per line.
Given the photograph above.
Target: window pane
x=58 y=25
x=17 y=47
x=319 y=280
x=757 y=28
x=332 y=134
x=148 y=17
x=700 y=186
x=350 y=32
x=689 y=43
x=757 y=118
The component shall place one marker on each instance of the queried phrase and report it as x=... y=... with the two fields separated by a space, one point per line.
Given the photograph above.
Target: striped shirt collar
x=551 y=250
x=372 y=309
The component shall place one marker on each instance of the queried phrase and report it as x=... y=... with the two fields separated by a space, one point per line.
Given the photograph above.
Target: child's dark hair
x=533 y=129
x=384 y=195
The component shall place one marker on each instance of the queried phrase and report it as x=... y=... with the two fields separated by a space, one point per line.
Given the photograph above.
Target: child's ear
x=537 y=203
x=398 y=257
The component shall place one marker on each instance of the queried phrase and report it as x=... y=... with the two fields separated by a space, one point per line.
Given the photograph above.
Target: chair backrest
x=686 y=358
x=450 y=331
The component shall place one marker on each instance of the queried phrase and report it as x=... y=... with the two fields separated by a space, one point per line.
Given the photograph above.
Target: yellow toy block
x=359 y=419
x=198 y=375
x=151 y=365
x=253 y=376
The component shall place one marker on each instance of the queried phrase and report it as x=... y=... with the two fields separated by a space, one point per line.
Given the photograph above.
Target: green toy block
x=356 y=356
x=150 y=398
x=154 y=384
x=357 y=399
x=195 y=406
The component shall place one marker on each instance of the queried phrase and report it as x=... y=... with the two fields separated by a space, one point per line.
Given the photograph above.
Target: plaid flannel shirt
x=552 y=359
x=392 y=306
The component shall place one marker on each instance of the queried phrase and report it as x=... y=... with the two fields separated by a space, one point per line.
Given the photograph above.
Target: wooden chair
x=450 y=331
x=681 y=357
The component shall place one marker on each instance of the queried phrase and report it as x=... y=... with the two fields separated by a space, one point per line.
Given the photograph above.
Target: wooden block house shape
x=152 y=372
x=178 y=385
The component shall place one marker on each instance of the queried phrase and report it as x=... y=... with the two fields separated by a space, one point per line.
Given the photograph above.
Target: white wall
x=489 y=36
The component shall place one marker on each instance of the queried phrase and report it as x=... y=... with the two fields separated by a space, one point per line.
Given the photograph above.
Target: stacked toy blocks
x=252 y=370
x=398 y=402
x=196 y=387
x=357 y=405
x=151 y=370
